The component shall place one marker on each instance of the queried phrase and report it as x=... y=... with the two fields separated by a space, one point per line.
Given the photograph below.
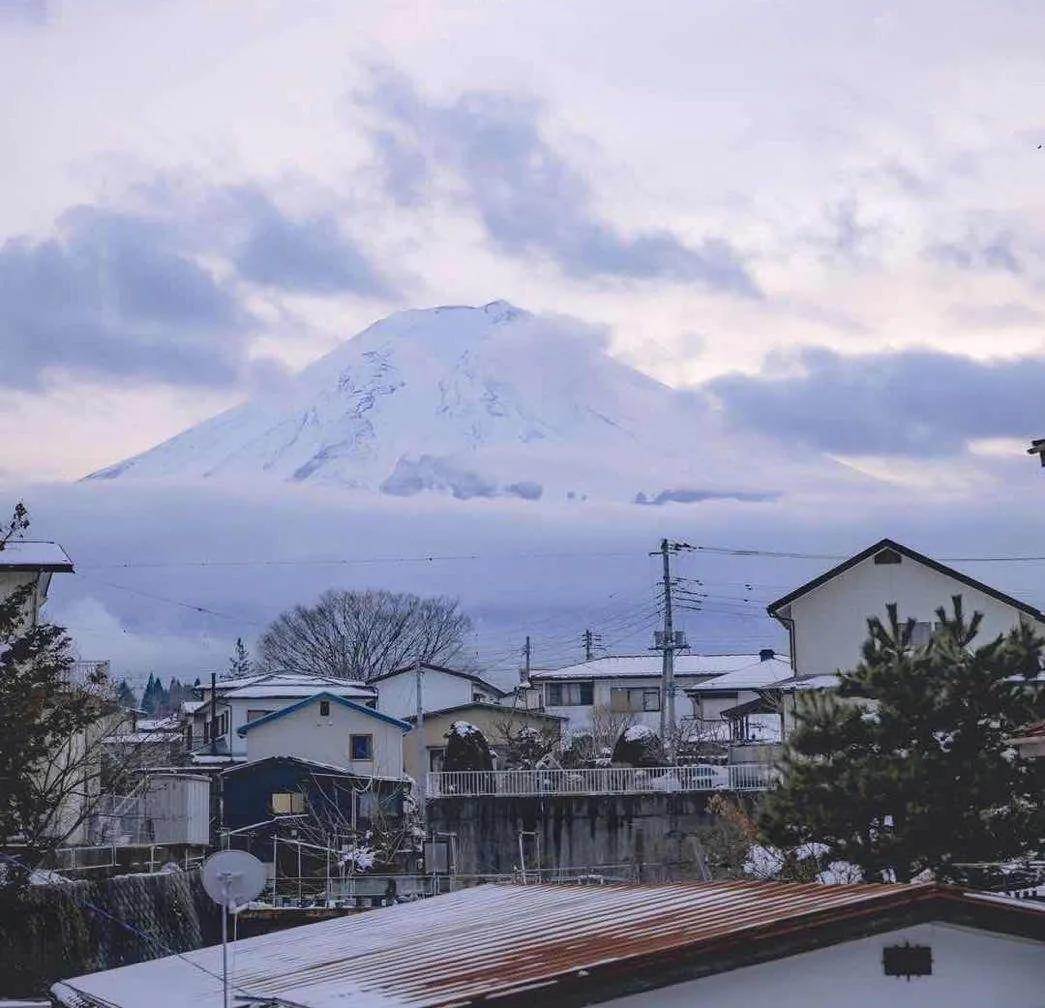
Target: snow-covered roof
x=324 y=695
x=33 y=555
x=505 y=710
x=324 y=768
x=217 y=759
x=289 y=685
x=446 y=670
x=799 y=684
x=649 y=666
x=757 y=675
x=547 y=944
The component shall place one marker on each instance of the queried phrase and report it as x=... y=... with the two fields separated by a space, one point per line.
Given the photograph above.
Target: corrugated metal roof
x=491 y=940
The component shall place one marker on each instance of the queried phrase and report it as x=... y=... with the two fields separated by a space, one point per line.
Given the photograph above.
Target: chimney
x=766 y=654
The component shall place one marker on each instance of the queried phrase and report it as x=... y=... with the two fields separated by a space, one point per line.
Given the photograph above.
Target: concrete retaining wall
x=641 y=830
x=54 y=932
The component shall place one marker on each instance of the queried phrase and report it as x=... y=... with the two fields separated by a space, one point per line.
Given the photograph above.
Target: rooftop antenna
x=232 y=878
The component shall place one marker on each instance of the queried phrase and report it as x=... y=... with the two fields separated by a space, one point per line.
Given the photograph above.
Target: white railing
x=601 y=780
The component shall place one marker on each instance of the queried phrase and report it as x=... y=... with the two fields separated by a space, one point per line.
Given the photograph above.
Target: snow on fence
x=601 y=780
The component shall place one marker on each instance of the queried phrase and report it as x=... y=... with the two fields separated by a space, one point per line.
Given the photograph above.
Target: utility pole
x=667 y=645
x=422 y=749
x=213 y=713
x=527 y=655
x=589 y=645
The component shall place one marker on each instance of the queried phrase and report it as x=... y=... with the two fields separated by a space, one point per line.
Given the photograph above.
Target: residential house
x=826 y=618
x=31 y=562
x=626 y=689
x=213 y=729
x=441 y=687
x=75 y=767
x=148 y=742
x=330 y=729
x=729 y=944
x=1031 y=741
x=496 y=721
x=302 y=806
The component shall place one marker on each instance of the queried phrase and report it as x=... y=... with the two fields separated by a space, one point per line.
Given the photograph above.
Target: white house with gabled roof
x=441 y=687
x=826 y=618
x=214 y=725
x=329 y=729
x=31 y=562
x=630 y=685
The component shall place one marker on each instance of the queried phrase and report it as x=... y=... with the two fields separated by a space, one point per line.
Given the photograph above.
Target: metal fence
x=120 y=820
x=600 y=781
x=366 y=891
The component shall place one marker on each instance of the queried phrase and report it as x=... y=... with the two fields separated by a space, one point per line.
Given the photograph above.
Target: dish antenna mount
x=231 y=878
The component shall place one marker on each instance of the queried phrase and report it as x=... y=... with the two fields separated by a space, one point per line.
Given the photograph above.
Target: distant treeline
x=156 y=699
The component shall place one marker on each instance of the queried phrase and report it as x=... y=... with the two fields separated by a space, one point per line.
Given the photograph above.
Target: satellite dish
x=233 y=877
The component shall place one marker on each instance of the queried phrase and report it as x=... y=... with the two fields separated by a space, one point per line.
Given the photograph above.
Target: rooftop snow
x=289 y=684
x=493 y=940
x=649 y=666
x=755 y=676
x=32 y=554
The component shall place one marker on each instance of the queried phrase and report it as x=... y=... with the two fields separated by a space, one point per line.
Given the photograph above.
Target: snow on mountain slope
x=473 y=402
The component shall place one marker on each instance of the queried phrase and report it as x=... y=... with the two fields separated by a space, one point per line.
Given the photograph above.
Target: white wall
x=397 y=695
x=971 y=969
x=308 y=735
x=580 y=717
x=830 y=623
x=10 y=581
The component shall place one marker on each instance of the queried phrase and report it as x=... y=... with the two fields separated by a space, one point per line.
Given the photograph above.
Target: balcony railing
x=600 y=781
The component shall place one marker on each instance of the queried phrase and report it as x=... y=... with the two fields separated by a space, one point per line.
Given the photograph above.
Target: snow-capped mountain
x=473 y=402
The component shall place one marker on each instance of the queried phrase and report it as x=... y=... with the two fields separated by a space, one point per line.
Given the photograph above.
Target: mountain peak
x=486 y=401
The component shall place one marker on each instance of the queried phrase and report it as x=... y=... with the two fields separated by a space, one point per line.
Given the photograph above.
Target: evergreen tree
x=48 y=763
x=125 y=696
x=149 y=696
x=466 y=748
x=240 y=663
x=177 y=693
x=639 y=746
x=909 y=770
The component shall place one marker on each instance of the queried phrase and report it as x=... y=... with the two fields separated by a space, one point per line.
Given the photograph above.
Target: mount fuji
x=470 y=402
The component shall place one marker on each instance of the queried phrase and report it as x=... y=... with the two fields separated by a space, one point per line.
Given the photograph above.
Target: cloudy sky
x=827 y=217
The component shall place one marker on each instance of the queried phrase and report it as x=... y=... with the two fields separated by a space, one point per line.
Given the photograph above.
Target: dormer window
x=887 y=556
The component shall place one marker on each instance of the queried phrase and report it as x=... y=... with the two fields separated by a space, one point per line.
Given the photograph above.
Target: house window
x=579 y=694
x=324 y=708
x=634 y=698
x=288 y=803
x=254 y=714
x=921 y=633
x=361 y=747
x=435 y=759
x=216 y=727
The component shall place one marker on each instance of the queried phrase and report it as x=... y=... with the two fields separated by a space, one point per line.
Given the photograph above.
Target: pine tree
x=466 y=748
x=639 y=746
x=149 y=696
x=125 y=695
x=909 y=770
x=43 y=714
x=240 y=663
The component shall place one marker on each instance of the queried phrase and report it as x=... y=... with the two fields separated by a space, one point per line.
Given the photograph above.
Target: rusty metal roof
x=494 y=941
